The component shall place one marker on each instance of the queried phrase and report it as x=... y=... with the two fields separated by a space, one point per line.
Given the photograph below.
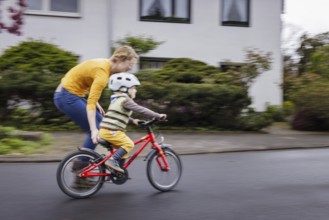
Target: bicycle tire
x=65 y=174
x=160 y=179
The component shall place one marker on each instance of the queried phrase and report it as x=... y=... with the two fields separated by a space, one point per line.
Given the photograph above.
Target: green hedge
x=31 y=71
x=199 y=105
x=192 y=93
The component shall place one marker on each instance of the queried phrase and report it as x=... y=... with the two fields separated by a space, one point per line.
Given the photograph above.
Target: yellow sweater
x=88 y=78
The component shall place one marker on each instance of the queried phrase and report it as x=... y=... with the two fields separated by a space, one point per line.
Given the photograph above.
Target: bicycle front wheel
x=161 y=179
x=68 y=178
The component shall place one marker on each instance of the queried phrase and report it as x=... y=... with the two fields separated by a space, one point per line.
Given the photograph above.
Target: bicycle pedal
x=108 y=180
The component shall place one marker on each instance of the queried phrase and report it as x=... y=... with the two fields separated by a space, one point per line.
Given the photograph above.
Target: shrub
x=13 y=142
x=254 y=121
x=31 y=71
x=312 y=106
x=181 y=70
x=293 y=83
x=6 y=132
x=208 y=105
x=195 y=94
x=275 y=112
x=307 y=121
x=288 y=108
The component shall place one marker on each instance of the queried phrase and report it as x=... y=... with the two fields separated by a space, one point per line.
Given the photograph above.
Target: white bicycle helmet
x=122 y=82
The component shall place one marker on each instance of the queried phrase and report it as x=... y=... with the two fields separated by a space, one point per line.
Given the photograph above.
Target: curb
x=42 y=158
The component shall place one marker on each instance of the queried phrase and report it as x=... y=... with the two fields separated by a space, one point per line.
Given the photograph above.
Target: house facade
x=217 y=32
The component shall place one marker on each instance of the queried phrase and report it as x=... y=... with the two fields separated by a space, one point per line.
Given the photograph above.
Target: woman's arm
x=96 y=89
x=100 y=109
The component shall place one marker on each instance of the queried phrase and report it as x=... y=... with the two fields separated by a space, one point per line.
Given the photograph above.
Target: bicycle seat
x=105 y=143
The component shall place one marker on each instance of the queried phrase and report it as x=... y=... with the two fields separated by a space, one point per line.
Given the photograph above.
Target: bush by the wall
x=31 y=71
x=254 y=121
x=312 y=106
x=191 y=92
x=276 y=113
x=208 y=105
x=195 y=94
x=181 y=70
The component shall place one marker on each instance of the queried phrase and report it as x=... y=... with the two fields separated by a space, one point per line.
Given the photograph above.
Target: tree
x=311 y=62
x=309 y=45
x=16 y=15
x=319 y=62
x=308 y=87
x=141 y=44
x=290 y=39
x=256 y=62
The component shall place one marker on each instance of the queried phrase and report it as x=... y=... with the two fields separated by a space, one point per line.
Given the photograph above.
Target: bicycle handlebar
x=149 y=123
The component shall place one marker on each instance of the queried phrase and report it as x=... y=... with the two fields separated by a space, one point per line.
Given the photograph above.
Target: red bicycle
x=163 y=168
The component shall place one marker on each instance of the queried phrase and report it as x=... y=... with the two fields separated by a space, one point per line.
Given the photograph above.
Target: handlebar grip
x=142 y=123
x=147 y=123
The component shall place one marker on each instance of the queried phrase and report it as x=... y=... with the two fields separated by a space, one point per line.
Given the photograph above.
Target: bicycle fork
x=161 y=159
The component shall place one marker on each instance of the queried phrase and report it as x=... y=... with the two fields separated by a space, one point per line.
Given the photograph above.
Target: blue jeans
x=75 y=108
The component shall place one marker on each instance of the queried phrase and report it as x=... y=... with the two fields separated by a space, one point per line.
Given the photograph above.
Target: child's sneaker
x=113 y=164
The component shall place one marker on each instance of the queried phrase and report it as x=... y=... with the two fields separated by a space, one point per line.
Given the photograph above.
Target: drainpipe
x=110 y=4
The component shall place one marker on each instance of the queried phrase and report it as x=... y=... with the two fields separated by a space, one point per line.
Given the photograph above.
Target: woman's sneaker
x=79 y=165
x=82 y=183
x=114 y=165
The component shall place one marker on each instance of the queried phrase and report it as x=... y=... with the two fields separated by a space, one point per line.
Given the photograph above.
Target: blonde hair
x=124 y=53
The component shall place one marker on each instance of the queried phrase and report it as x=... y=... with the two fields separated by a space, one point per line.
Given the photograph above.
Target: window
x=54 y=7
x=152 y=63
x=235 y=12
x=165 y=10
x=34 y=5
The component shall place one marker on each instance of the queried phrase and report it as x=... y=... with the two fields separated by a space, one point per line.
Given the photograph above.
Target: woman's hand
x=91 y=114
x=94 y=136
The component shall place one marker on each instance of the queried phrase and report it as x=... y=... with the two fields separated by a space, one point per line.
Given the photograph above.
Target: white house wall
x=105 y=21
x=206 y=40
x=87 y=36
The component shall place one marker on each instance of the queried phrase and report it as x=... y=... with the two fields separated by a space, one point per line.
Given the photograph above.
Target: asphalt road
x=268 y=185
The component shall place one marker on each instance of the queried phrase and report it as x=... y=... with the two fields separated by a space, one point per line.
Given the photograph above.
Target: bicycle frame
x=149 y=138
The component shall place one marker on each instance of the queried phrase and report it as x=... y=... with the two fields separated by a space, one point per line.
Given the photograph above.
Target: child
x=113 y=125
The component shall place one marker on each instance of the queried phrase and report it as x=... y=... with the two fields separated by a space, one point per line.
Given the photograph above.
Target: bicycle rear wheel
x=159 y=178
x=68 y=178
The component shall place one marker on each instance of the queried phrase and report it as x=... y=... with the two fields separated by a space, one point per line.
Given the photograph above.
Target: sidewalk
x=275 y=138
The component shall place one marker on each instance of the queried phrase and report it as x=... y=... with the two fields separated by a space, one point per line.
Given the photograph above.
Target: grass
x=16 y=145
x=285 y=125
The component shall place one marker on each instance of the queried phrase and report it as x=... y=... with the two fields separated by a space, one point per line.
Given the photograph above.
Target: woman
x=90 y=78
